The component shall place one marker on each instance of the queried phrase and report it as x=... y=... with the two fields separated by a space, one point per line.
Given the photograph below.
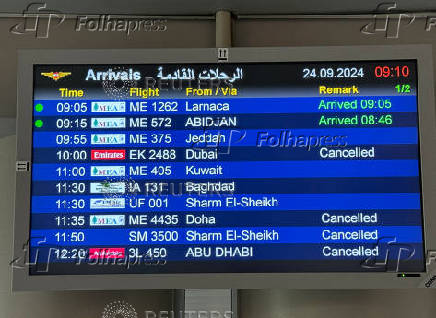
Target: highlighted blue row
x=272 y=252
x=228 y=236
x=238 y=202
x=234 y=137
x=236 y=218
x=245 y=121
x=229 y=169
x=230 y=105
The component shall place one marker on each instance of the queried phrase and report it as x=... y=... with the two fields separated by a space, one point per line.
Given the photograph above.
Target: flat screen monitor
x=181 y=167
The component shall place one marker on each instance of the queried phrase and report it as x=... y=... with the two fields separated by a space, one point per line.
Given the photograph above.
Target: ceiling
x=208 y=7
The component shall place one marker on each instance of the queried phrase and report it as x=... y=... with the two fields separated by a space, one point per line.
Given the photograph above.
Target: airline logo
x=108 y=171
x=56 y=75
x=108 y=252
x=107 y=187
x=108 y=123
x=108 y=107
x=107 y=203
x=108 y=139
x=107 y=220
x=108 y=154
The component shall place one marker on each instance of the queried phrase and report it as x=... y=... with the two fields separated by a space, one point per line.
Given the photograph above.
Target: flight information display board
x=225 y=168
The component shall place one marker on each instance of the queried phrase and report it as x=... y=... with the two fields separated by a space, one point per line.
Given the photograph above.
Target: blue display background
x=301 y=183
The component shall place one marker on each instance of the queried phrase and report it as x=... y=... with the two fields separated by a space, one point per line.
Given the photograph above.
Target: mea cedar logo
x=56 y=75
x=108 y=107
x=107 y=220
x=108 y=154
x=111 y=122
x=108 y=171
x=109 y=252
x=108 y=139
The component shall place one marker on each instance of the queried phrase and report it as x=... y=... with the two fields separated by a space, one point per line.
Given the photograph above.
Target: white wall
x=337 y=303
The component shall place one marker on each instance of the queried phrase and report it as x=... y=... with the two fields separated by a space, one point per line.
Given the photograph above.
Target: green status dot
x=39 y=107
x=38 y=123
